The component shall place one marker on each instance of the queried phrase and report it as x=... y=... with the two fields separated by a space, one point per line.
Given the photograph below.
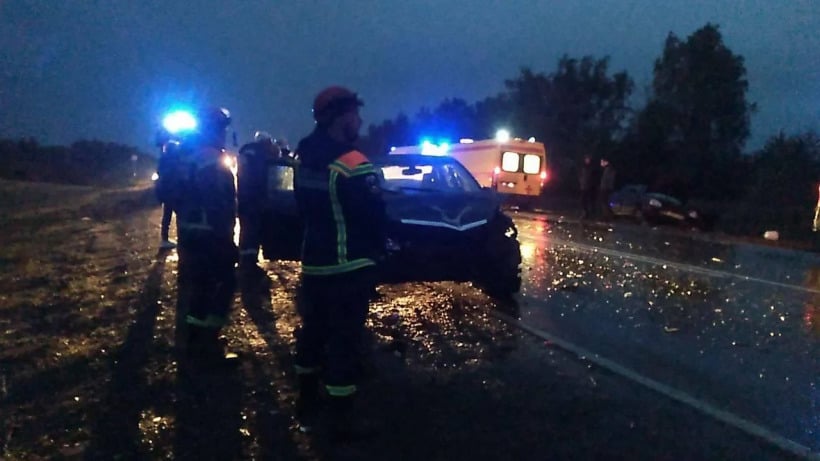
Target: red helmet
x=334 y=101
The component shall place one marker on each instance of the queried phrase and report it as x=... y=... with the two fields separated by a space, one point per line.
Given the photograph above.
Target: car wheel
x=500 y=273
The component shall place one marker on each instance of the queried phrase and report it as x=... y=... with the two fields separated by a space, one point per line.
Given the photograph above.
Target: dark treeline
x=85 y=162
x=687 y=139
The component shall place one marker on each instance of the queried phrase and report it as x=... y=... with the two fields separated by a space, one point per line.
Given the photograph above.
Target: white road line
x=726 y=417
x=552 y=241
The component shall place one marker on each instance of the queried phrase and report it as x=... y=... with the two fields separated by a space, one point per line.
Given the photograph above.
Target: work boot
x=346 y=423
x=308 y=405
x=251 y=272
x=166 y=244
x=205 y=348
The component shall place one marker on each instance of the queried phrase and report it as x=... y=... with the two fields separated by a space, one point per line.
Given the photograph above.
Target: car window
x=280 y=177
x=509 y=161
x=430 y=177
x=532 y=164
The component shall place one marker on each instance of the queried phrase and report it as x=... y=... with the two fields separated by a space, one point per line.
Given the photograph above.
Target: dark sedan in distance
x=637 y=202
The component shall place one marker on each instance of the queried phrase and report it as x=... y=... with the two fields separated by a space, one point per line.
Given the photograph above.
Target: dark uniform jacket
x=206 y=200
x=339 y=199
x=608 y=178
x=252 y=177
x=586 y=177
x=167 y=165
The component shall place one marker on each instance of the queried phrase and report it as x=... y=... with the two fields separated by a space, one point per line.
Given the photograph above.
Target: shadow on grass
x=116 y=431
x=272 y=422
x=210 y=421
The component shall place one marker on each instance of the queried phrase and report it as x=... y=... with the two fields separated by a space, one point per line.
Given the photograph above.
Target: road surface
x=734 y=328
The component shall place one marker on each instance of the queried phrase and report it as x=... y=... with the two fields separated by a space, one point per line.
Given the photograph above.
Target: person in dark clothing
x=606 y=188
x=166 y=164
x=339 y=198
x=586 y=182
x=252 y=190
x=205 y=204
x=165 y=228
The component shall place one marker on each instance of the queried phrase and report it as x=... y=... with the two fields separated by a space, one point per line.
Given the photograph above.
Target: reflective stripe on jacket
x=340 y=203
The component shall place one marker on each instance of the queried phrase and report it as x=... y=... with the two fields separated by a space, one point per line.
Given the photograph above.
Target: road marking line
x=675 y=394
x=661 y=262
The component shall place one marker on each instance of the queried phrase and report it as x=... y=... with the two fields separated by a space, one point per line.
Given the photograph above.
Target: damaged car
x=638 y=202
x=442 y=225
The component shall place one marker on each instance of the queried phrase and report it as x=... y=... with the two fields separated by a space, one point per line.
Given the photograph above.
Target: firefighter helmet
x=332 y=102
x=262 y=136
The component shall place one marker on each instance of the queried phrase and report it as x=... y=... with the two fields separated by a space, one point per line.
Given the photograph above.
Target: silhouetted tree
x=579 y=109
x=786 y=172
x=697 y=119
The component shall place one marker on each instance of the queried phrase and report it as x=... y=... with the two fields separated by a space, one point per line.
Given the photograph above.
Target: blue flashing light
x=428 y=148
x=179 y=121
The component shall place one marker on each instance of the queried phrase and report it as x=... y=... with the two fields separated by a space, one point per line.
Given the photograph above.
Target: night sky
x=107 y=69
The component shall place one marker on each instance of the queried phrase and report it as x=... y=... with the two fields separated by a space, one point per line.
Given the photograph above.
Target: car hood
x=456 y=212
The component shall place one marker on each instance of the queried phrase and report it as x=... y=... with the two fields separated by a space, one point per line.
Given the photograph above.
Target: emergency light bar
x=179 y=121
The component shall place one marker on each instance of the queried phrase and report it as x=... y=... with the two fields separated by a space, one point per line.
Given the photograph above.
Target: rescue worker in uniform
x=165 y=182
x=339 y=199
x=252 y=189
x=284 y=148
x=206 y=211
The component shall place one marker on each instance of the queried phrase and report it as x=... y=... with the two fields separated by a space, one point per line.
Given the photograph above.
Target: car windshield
x=447 y=177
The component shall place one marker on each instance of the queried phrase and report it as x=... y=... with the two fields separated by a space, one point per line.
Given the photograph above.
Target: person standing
x=206 y=212
x=606 y=188
x=339 y=199
x=252 y=198
x=166 y=166
x=586 y=183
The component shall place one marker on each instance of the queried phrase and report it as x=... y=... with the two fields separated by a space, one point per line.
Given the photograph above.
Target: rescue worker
x=284 y=148
x=206 y=211
x=339 y=200
x=164 y=185
x=252 y=189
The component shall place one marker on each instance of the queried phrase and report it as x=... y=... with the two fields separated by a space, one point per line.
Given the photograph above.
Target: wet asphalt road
x=734 y=326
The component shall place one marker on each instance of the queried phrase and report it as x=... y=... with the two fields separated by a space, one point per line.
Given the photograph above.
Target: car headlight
x=693 y=214
x=653 y=202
